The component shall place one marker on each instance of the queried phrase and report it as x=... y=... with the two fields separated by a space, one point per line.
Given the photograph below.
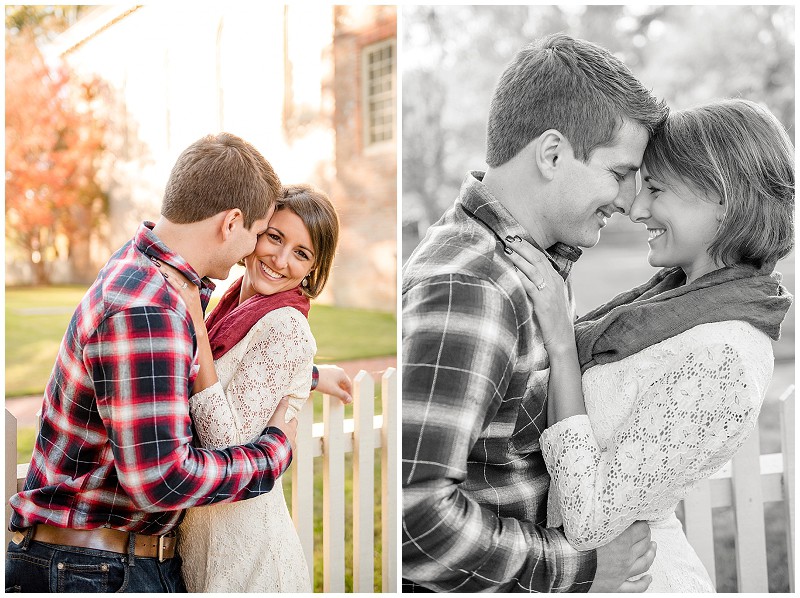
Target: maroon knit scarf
x=230 y=321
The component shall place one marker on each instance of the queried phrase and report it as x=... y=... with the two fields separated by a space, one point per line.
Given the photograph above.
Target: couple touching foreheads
x=152 y=414
x=543 y=453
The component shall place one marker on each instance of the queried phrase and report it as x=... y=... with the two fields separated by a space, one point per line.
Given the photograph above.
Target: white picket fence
x=331 y=439
x=745 y=484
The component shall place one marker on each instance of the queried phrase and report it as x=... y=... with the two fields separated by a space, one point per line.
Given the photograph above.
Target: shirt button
x=61 y=566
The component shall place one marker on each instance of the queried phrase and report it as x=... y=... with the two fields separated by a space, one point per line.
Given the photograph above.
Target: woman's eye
x=274 y=237
x=302 y=255
x=653 y=190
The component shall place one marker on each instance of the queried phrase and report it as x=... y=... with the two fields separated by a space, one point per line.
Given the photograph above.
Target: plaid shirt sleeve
x=140 y=362
x=459 y=339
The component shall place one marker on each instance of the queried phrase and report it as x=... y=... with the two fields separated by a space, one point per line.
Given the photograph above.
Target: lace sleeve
x=683 y=427
x=277 y=363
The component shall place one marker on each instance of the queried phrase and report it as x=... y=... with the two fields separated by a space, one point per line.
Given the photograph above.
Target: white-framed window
x=379 y=68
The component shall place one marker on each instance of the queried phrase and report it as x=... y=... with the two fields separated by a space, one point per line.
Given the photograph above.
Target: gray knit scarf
x=664 y=306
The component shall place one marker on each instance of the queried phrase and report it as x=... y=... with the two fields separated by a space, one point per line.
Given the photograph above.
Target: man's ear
x=548 y=152
x=230 y=221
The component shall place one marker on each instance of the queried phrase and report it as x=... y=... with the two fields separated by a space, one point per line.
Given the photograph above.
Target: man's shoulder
x=468 y=274
x=458 y=246
x=130 y=281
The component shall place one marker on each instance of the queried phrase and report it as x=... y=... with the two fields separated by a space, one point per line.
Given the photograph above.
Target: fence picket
x=11 y=466
x=303 y=484
x=363 y=483
x=333 y=495
x=389 y=473
x=748 y=507
x=787 y=448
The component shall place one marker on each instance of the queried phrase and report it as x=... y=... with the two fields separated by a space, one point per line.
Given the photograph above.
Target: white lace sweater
x=273 y=360
x=658 y=422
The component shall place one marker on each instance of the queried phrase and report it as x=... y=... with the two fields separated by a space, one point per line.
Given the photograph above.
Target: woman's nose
x=280 y=259
x=640 y=209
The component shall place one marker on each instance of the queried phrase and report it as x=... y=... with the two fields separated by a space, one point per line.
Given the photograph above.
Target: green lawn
x=345 y=334
x=36 y=318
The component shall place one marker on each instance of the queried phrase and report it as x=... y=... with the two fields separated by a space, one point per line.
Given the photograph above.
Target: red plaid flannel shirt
x=115 y=444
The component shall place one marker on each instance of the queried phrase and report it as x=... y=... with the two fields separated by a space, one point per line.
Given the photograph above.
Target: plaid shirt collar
x=154 y=248
x=476 y=200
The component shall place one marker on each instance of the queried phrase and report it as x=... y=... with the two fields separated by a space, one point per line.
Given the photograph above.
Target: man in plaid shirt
x=114 y=464
x=567 y=129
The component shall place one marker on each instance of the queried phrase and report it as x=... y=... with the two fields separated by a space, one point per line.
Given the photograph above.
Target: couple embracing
x=545 y=453
x=157 y=425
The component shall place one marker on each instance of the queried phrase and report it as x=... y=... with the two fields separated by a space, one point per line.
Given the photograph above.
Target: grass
x=26 y=437
x=36 y=318
x=345 y=334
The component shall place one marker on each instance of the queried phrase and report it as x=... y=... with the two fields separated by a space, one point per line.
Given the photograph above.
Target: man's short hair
x=573 y=86
x=737 y=153
x=218 y=173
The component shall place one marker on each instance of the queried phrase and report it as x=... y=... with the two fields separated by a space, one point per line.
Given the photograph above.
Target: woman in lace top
x=658 y=388
x=261 y=348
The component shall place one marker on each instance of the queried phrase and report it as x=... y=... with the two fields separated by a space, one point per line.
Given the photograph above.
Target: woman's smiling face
x=283 y=256
x=680 y=224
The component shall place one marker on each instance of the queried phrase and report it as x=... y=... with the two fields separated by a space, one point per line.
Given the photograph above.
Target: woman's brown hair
x=319 y=216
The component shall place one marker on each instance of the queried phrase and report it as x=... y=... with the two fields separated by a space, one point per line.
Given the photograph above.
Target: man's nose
x=626 y=195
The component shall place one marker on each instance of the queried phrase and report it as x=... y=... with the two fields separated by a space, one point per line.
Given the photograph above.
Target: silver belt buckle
x=161 y=558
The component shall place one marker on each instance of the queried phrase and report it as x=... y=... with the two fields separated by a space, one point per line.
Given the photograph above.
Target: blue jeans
x=39 y=567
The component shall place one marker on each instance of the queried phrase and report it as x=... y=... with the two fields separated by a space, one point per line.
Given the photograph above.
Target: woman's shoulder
x=277 y=325
x=737 y=334
x=727 y=341
x=735 y=339
x=281 y=315
x=731 y=345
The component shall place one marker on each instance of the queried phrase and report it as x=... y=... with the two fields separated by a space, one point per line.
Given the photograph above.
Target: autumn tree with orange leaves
x=54 y=140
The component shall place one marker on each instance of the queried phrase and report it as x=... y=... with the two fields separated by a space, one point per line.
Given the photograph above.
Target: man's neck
x=182 y=239
x=520 y=199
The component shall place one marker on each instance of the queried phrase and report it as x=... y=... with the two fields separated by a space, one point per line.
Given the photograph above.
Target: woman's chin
x=654 y=260
x=263 y=287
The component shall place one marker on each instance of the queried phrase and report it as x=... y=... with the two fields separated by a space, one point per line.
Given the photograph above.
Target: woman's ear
x=548 y=152
x=722 y=211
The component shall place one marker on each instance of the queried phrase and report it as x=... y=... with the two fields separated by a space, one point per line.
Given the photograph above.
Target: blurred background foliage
x=453 y=56
x=41 y=22
x=54 y=125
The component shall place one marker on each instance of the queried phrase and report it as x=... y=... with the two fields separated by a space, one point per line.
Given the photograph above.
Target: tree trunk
x=41 y=274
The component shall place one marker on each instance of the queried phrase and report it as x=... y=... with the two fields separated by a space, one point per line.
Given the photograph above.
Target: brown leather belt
x=103 y=538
